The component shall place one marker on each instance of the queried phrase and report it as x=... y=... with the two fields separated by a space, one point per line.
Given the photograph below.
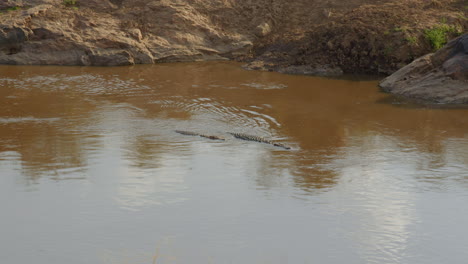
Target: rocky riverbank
x=298 y=37
x=440 y=77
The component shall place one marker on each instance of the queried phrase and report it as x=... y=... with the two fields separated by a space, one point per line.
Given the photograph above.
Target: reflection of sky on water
x=137 y=189
x=381 y=207
x=386 y=186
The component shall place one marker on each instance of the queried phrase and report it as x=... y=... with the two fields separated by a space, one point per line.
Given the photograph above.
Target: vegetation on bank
x=12 y=8
x=71 y=3
x=439 y=34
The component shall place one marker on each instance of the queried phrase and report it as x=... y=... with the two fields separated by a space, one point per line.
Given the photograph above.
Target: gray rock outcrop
x=440 y=77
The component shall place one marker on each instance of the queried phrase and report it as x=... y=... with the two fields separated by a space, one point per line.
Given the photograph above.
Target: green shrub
x=439 y=34
x=436 y=37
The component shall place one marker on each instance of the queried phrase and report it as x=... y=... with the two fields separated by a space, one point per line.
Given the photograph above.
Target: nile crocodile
x=236 y=135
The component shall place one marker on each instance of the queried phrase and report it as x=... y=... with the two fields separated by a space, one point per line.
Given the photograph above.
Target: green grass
x=73 y=4
x=462 y=16
x=412 y=40
x=12 y=8
x=70 y=2
x=388 y=50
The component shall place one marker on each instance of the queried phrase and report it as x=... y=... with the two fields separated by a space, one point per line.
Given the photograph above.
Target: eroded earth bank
x=299 y=37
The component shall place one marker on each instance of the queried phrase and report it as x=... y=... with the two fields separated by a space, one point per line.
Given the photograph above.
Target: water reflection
x=44 y=149
x=98 y=145
x=321 y=118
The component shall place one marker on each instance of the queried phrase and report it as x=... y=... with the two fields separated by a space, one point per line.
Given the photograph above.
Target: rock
x=142 y=57
x=103 y=57
x=37 y=10
x=11 y=40
x=263 y=30
x=319 y=70
x=13 y=35
x=456 y=63
x=315 y=70
x=440 y=77
x=136 y=34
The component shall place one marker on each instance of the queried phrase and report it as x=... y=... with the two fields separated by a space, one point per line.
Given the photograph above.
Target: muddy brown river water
x=91 y=170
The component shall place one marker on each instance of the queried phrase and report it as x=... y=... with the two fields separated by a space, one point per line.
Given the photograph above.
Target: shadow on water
x=399 y=101
x=134 y=110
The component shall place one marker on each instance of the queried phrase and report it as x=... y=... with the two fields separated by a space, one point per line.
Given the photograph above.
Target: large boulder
x=440 y=77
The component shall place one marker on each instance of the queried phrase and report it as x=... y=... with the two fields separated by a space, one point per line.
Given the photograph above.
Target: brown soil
x=300 y=36
x=373 y=38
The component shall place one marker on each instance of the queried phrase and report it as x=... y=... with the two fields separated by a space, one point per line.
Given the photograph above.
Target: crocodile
x=236 y=135
x=258 y=139
x=190 y=133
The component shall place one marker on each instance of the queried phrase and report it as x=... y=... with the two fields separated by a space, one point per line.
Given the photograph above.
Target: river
x=91 y=170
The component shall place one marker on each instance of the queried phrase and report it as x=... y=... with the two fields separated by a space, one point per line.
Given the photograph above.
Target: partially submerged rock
x=440 y=77
x=315 y=70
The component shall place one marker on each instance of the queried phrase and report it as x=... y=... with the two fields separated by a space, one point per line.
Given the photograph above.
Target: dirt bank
x=359 y=36
x=124 y=32
x=376 y=38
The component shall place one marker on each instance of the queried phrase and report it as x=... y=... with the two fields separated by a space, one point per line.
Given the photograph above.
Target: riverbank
x=299 y=37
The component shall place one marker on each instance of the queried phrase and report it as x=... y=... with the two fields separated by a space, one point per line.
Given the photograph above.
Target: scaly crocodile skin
x=236 y=135
x=190 y=133
x=257 y=139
